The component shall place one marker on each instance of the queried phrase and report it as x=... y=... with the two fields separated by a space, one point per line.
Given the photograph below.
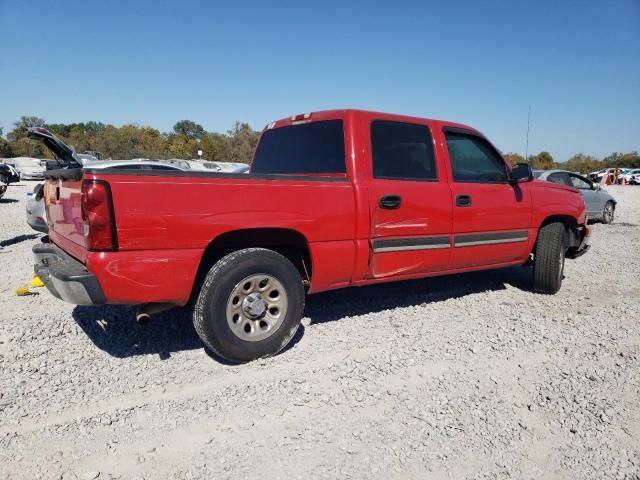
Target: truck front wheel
x=250 y=305
x=548 y=260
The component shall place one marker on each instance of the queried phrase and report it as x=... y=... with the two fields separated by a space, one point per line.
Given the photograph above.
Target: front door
x=409 y=202
x=491 y=217
x=594 y=200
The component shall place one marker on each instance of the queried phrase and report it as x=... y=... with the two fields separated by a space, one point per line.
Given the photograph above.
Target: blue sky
x=576 y=62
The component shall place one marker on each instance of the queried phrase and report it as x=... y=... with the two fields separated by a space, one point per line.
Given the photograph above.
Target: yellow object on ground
x=21 y=291
x=36 y=282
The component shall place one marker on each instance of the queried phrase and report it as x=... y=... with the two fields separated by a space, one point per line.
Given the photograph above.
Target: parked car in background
x=29 y=168
x=132 y=165
x=178 y=162
x=36 y=212
x=240 y=168
x=630 y=176
x=7 y=175
x=634 y=179
x=600 y=204
x=222 y=167
x=86 y=158
x=9 y=172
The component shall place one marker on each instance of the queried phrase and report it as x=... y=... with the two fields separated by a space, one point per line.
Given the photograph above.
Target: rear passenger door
x=491 y=217
x=409 y=201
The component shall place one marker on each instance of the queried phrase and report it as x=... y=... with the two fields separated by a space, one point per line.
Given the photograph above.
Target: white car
x=631 y=176
x=634 y=179
x=29 y=168
x=222 y=167
x=36 y=213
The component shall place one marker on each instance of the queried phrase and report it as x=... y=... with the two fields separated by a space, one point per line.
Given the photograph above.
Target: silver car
x=36 y=213
x=600 y=204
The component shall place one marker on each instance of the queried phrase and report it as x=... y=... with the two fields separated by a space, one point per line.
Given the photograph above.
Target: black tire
x=211 y=309
x=548 y=260
x=608 y=212
x=3 y=185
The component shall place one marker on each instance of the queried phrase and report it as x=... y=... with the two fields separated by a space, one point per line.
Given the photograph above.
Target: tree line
x=236 y=145
x=579 y=162
x=134 y=141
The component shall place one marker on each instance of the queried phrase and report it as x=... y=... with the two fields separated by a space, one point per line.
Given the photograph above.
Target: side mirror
x=521 y=172
x=595 y=186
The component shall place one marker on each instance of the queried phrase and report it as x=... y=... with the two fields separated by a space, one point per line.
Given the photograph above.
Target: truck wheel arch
x=290 y=243
x=570 y=225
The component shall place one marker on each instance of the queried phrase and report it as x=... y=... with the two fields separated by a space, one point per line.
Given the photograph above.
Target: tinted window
x=579 y=182
x=402 y=151
x=559 y=177
x=474 y=160
x=316 y=147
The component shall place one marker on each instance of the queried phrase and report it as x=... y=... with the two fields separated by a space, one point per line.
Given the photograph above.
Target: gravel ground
x=471 y=376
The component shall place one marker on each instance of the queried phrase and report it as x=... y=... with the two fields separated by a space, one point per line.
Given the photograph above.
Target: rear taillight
x=99 y=223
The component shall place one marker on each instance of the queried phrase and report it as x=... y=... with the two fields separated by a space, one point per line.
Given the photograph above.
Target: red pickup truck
x=333 y=199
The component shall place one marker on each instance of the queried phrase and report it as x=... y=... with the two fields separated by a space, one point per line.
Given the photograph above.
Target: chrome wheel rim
x=608 y=213
x=256 y=307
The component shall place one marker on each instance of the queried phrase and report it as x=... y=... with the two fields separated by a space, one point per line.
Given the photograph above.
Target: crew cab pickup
x=333 y=199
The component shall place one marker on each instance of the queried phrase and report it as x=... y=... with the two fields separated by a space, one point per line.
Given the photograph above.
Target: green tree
x=623 y=160
x=243 y=141
x=215 y=146
x=542 y=161
x=188 y=129
x=514 y=158
x=5 y=147
x=24 y=147
x=20 y=127
x=181 y=146
x=582 y=163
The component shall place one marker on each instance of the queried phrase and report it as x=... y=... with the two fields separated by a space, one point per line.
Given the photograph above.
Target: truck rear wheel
x=250 y=305
x=548 y=261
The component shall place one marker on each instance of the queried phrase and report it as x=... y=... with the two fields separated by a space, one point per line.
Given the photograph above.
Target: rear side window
x=580 y=182
x=310 y=148
x=474 y=160
x=560 y=177
x=402 y=151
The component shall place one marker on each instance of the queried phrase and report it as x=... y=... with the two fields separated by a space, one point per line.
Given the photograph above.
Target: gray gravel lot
x=471 y=376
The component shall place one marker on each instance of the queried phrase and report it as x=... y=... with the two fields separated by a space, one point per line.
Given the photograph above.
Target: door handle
x=463 y=200
x=390 y=202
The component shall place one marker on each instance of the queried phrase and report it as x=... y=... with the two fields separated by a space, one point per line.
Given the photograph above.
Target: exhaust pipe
x=144 y=312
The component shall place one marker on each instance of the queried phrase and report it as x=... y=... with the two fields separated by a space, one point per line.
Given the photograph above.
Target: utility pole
x=526 y=152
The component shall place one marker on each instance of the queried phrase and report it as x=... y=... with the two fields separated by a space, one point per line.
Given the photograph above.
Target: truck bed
x=165 y=221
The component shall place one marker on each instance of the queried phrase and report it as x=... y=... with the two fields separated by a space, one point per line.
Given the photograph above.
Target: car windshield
x=537 y=173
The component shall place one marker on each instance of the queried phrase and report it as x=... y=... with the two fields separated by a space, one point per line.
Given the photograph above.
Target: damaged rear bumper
x=65 y=277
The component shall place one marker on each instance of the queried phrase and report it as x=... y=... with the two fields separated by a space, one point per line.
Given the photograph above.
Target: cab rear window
x=309 y=148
